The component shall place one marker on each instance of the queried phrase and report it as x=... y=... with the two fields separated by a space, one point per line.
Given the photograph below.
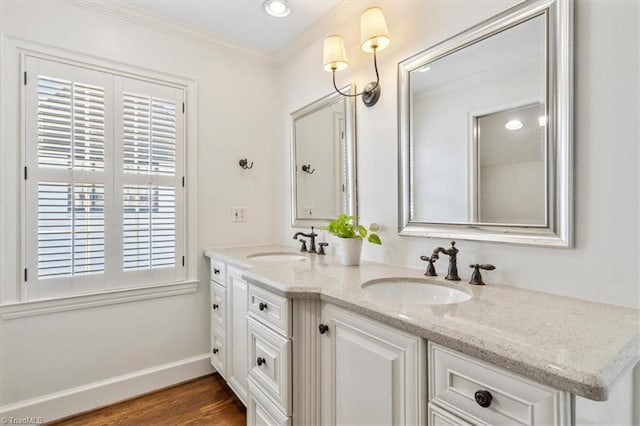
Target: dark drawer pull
x=262 y=306
x=260 y=361
x=483 y=398
x=323 y=328
x=215 y=306
x=216 y=271
x=215 y=350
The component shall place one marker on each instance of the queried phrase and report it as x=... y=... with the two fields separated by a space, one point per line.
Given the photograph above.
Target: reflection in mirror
x=449 y=97
x=509 y=154
x=484 y=130
x=323 y=160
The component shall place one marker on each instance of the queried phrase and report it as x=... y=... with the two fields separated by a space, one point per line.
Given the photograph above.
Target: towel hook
x=245 y=164
x=307 y=169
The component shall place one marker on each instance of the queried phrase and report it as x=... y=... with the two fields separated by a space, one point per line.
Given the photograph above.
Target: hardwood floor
x=206 y=400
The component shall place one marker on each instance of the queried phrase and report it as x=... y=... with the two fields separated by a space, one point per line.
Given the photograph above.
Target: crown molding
x=319 y=30
x=132 y=14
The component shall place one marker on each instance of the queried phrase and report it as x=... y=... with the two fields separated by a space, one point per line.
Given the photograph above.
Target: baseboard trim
x=94 y=395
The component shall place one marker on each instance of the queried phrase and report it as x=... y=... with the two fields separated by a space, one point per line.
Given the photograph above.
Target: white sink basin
x=413 y=291
x=276 y=257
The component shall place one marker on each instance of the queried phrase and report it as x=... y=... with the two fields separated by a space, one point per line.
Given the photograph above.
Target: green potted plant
x=350 y=235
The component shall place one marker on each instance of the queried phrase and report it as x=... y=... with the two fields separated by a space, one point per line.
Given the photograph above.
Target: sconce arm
x=366 y=91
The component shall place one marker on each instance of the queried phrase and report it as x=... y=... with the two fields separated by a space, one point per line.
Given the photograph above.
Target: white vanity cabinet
x=269 y=359
x=218 y=303
x=371 y=373
x=229 y=325
x=237 y=372
x=466 y=391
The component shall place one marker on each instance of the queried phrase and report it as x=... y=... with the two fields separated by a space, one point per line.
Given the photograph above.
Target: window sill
x=113 y=297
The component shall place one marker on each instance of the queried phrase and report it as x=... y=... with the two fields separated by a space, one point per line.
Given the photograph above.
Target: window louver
x=70 y=229
x=70 y=124
x=149 y=218
x=149 y=135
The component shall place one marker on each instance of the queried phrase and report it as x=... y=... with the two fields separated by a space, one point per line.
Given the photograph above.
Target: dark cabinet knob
x=262 y=306
x=323 y=328
x=215 y=306
x=483 y=398
x=215 y=350
x=260 y=361
x=216 y=271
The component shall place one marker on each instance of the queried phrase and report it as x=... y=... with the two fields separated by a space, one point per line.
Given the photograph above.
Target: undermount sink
x=413 y=291
x=276 y=257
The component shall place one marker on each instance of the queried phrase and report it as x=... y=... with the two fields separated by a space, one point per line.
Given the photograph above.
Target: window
x=104 y=181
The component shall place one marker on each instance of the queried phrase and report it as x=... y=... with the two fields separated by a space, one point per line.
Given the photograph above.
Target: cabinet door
x=237 y=309
x=218 y=302
x=261 y=411
x=371 y=374
x=218 y=351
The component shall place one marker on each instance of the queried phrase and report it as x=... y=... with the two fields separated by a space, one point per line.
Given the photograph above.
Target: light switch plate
x=238 y=214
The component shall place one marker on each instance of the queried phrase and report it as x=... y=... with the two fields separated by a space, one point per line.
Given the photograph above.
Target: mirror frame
x=350 y=190
x=558 y=231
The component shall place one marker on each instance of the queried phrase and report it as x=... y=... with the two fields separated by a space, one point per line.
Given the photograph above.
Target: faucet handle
x=321 y=249
x=303 y=247
x=476 y=277
x=431 y=269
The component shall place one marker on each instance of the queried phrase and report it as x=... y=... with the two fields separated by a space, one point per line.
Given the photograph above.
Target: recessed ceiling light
x=513 y=125
x=424 y=69
x=277 y=8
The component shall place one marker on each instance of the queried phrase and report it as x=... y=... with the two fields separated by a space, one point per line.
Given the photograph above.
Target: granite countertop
x=573 y=345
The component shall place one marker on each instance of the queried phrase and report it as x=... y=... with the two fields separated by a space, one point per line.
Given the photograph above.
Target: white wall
x=512 y=190
x=603 y=265
x=51 y=353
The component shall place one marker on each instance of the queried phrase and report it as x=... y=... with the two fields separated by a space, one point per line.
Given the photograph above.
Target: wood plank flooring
x=206 y=400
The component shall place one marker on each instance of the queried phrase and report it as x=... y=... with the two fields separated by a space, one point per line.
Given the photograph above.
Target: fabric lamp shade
x=374 y=35
x=335 y=55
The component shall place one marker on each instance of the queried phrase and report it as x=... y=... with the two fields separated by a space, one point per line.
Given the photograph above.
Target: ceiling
x=501 y=146
x=525 y=42
x=241 y=22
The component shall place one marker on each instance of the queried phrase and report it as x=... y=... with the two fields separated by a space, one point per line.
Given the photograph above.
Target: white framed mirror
x=323 y=160
x=485 y=131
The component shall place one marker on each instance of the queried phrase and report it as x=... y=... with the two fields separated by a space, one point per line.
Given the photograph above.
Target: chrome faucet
x=452 y=252
x=312 y=237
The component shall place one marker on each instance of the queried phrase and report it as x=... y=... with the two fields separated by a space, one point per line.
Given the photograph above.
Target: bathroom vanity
x=302 y=340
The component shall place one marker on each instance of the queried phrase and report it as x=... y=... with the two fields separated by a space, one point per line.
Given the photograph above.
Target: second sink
x=413 y=291
x=276 y=257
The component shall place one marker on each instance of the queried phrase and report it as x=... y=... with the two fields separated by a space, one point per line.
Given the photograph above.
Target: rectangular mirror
x=485 y=148
x=323 y=165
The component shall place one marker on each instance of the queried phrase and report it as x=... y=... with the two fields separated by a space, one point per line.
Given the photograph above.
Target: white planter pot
x=350 y=251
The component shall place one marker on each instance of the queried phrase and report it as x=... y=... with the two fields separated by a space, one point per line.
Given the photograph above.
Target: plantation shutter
x=149 y=182
x=68 y=187
x=103 y=193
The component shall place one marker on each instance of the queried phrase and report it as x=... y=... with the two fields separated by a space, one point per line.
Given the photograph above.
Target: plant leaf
x=362 y=231
x=374 y=227
x=374 y=239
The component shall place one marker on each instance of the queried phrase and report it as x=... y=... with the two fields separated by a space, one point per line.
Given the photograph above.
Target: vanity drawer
x=218 y=351
x=439 y=417
x=270 y=363
x=261 y=411
x=455 y=379
x=270 y=309
x=218 y=271
x=218 y=309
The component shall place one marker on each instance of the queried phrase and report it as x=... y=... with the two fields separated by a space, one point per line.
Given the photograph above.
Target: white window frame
x=14 y=294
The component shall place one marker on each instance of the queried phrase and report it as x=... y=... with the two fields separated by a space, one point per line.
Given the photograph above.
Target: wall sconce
x=374 y=37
